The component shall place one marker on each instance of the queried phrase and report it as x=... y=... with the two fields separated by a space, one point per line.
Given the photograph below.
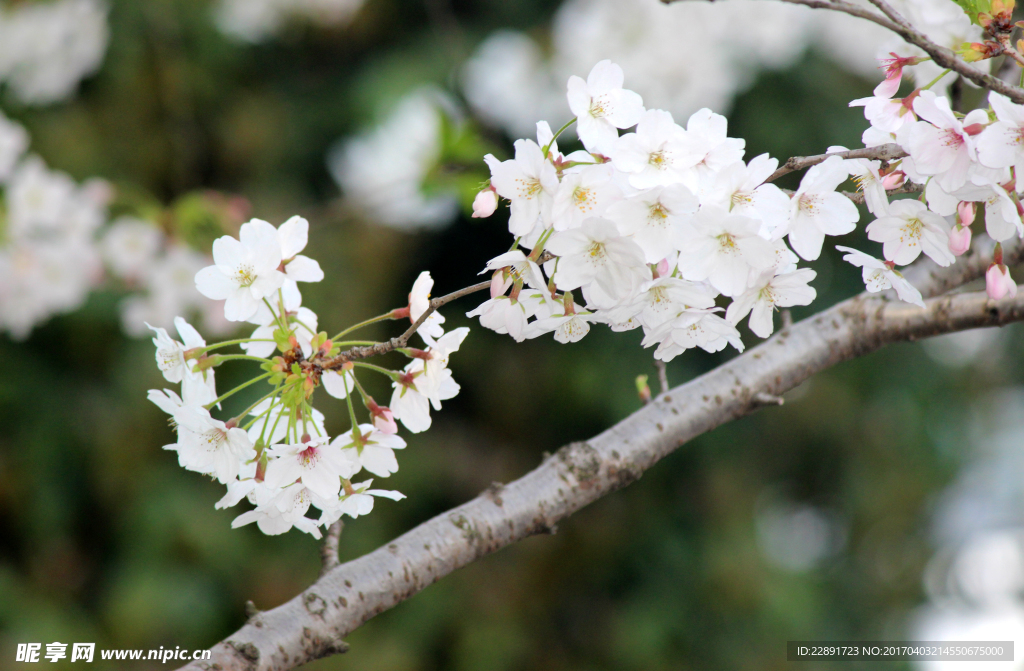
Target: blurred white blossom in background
x=381 y=172
x=975 y=582
x=260 y=20
x=47 y=48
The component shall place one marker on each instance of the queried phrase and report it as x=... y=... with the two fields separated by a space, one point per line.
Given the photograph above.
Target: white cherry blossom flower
x=360 y=501
x=319 y=464
x=601 y=105
x=485 y=203
x=586 y=191
x=1001 y=145
x=529 y=182
x=372 y=450
x=278 y=511
x=245 y=271
x=885 y=114
x=740 y=188
x=504 y=314
x=722 y=248
x=939 y=145
x=693 y=327
x=170 y=354
x=880 y=275
x=293 y=235
x=909 y=229
x=596 y=253
x=208 y=445
x=658 y=152
x=521 y=266
x=664 y=298
x=709 y=133
x=419 y=302
x=816 y=210
x=651 y=218
x=771 y=292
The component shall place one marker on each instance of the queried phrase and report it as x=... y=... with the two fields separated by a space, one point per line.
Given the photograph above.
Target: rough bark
x=312 y=624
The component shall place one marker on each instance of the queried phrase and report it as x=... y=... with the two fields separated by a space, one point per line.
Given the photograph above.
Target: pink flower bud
x=893 y=180
x=998 y=282
x=485 y=203
x=959 y=239
x=965 y=213
x=662 y=268
x=384 y=420
x=500 y=283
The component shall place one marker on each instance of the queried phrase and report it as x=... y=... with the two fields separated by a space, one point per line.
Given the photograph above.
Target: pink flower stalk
x=959 y=239
x=485 y=203
x=893 y=73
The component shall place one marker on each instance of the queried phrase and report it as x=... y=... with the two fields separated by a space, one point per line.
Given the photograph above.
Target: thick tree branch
x=312 y=624
x=885 y=152
x=896 y=23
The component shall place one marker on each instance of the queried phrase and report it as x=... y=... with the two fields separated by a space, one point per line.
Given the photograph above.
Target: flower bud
x=643 y=390
x=500 y=283
x=893 y=180
x=998 y=282
x=485 y=203
x=662 y=268
x=959 y=239
x=965 y=212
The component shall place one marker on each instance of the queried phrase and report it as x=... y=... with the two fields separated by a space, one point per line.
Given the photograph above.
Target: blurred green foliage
x=103 y=538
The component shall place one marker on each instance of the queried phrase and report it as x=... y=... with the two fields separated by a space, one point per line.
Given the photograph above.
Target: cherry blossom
x=740 y=188
x=320 y=465
x=485 y=203
x=208 y=445
x=658 y=153
x=584 y=192
x=368 y=448
x=651 y=217
x=245 y=271
x=880 y=275
x=767 y=294
x=601 y=105
x=693 y=327
x=722 y=248
x=816 y=209
x=909 y=229
x=939 y=144
x=597 y=255
x=419 y=302
x=529 y=182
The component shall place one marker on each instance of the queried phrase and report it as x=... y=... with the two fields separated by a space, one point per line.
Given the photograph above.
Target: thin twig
x=885 y=152
x=398 y=342
x=329 y=550
x=941 y=55
x=662 y=375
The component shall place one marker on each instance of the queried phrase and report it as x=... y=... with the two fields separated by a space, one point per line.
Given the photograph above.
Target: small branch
x=1009 y=49
x=942 y=56
x=885 y=152
x=398 y=342
x=329 y=550
x=662 y=375
x=858 y=196
x=764 y=398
